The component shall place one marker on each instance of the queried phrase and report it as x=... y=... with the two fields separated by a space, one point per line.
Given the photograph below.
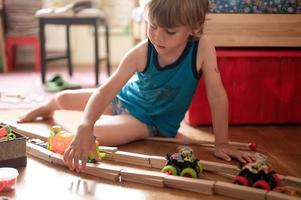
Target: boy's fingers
x=84 y=162
x=222 y=155
x=84 y=159
x=70 y=157
x=96 y=156
x=66 y=155
x=76 y=161
x=241 y=159
x=248 y=158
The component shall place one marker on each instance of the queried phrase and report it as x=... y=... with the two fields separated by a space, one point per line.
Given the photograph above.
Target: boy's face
x=166 y=40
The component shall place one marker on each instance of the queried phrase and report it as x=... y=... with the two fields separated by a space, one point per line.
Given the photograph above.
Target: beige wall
x=82 y=39
x=82 y=45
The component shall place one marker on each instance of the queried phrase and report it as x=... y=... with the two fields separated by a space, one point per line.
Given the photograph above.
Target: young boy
x=152 y=88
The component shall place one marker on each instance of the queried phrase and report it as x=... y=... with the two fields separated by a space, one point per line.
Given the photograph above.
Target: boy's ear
x=196 y=31
x=199 y=28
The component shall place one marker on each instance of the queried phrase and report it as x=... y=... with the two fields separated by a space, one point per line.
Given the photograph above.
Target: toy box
x=13 y=152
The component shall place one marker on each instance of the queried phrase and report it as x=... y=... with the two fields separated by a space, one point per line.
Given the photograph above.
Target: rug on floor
x=24 y=89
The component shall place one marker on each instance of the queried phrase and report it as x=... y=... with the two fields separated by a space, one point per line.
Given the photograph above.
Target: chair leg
x=9 y=55
x=108 y=50
x=68 y=51
x=14 y=49
x=37 y=55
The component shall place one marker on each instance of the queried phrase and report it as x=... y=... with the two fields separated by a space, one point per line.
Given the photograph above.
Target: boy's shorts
x=119 y=109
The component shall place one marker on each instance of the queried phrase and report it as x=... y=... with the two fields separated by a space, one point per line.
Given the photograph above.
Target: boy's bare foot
x=41 y=112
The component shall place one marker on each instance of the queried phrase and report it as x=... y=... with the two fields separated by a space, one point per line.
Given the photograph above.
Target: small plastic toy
x=3 y=132
x=253 y=146
x=183 y=163
x=8 y=178
x=258 y=174
x=59 y=139
x=6 y=133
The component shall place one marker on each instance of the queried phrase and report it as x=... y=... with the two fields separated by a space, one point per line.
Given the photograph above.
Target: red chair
x=11 y=44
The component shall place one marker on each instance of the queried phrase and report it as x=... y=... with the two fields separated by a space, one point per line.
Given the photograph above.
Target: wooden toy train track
x=155 y=178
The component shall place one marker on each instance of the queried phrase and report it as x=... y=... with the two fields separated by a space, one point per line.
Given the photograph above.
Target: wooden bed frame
x=254 y=30
x=245 y=30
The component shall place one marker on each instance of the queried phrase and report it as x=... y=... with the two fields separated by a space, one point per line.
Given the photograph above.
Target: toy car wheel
x=262 y=185
x=277 y=180
x=241 y=180
x=171 y=170
x=188 y=172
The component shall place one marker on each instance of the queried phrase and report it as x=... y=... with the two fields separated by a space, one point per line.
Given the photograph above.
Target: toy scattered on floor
x=118 y=173
x=8 y=178
x=6 y=133
x=258 y=174
x=183 y=163
x=253 y=146
x=59 y=141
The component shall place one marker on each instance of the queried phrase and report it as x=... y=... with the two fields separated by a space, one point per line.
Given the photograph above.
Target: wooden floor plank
x=280 y=143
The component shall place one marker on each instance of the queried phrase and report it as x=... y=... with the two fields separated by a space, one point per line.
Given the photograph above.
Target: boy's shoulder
x=206 y=51
x=205 y=43
x=141 y=47
x=206 y=47
x=139 y=54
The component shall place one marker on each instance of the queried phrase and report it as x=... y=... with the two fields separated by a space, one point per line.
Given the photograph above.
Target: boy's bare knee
x=62 y=98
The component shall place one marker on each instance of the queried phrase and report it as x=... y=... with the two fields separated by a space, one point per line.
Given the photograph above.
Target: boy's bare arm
x=218 y=101
x=84 y=141
x=131 y=62
x=216 y=94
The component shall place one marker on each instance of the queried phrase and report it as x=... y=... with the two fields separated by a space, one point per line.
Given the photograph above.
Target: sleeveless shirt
x=160 y=96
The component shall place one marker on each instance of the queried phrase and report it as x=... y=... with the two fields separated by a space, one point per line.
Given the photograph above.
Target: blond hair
x=173 y=13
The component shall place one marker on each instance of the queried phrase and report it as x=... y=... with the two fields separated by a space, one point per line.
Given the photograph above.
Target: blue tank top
x=160 y=96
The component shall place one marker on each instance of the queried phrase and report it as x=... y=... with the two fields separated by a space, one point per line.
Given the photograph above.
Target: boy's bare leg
x=65 y=100
x=119 y=129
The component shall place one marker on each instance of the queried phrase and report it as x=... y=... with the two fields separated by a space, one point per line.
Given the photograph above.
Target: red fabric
x=261 y=90
x=13 y=41
x=236 y=52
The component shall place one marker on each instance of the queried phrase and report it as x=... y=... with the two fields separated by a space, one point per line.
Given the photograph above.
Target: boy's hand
x=225 y=152
x=76 y=155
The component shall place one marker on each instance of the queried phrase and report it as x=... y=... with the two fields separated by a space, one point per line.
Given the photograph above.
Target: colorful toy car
x=258 y=174
x=183 y=163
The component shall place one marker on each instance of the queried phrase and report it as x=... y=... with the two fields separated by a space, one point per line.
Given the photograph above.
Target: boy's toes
x=25 y=118
x=33 y=115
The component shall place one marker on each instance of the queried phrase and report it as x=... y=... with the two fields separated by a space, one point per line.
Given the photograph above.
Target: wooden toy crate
x=13 y=152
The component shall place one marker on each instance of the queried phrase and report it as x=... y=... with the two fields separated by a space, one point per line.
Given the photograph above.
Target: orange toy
x=59 y=139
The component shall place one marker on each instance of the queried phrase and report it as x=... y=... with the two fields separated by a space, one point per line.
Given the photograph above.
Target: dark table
x=68 y=21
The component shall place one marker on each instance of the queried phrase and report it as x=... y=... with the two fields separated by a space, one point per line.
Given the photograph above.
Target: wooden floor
x=41 y=180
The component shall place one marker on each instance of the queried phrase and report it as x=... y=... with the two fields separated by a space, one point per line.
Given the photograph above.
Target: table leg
x=43 y=48
x=70 y=68
x=96 y=53
x=108 y=50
